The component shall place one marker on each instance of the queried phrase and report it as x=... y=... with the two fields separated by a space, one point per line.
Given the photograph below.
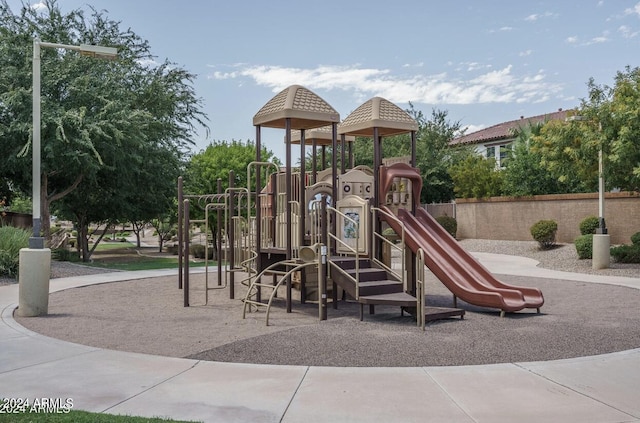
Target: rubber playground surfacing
x=147 y=316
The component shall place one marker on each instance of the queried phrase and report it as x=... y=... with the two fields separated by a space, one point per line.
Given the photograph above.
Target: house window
x=491 y=152
x=505 y=153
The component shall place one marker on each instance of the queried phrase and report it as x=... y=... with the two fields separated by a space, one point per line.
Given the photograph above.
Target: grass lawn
x=107 y=246
x=125 y=256
x=76 y=416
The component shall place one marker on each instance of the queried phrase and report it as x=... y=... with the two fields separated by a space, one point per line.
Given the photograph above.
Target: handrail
x=314 y=214
x=400 y=247
x=296 y=267
x=296 y=242
x=353 y=251
x=241 y=193
x=257 y=165
x=420 y=290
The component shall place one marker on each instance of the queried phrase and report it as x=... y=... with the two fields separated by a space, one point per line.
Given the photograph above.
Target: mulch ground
x=147 y=316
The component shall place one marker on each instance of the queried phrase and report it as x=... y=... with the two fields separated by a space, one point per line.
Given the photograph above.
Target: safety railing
x=376 y=212
x=350 y=250
x=420 y=288
x=291 y=267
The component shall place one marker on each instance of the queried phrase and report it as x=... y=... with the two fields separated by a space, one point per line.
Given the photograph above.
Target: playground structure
x=323 y=229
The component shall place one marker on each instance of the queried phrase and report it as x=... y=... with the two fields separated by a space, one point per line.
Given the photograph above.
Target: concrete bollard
x=33 y=282
x=601 y=251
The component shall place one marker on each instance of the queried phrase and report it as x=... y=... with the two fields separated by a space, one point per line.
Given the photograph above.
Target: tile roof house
x=495 y=141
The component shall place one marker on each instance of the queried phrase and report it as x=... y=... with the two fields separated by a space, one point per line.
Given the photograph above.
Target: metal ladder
x=291 y=265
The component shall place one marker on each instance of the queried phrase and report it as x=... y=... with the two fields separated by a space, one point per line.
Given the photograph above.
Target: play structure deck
x=321 y=231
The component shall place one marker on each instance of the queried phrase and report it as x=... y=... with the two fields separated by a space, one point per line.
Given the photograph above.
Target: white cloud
x=38 y=7
x=627 y=32
x=501 y=29
x=148 y=62
x=497 y=86
x=537 y=16
x=598 y=40
x=595 y=40
x=525 y=53
x=633 y=10
x=470 y=129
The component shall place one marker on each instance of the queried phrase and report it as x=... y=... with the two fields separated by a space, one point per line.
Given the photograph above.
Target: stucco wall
x=510 y=218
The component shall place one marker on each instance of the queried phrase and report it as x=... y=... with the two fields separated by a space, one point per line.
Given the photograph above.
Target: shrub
x=64 y=254
x=198 y=251
x=544 y=231
x=449 y=224
x=589 y=225
x=635 y=238
x=584 y=246
x=626 y=253
x=11 y=241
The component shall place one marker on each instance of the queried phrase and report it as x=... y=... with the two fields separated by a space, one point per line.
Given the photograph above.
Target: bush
x=64 y=254
x=544 y=231
x=198 y=251
x=626 y=253
x=584 y=246
x=589 y=225
x=11 y=241
x=449 y=224
x=635 y=238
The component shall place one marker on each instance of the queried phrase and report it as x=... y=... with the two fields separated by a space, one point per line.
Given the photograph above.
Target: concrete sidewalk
x=602 y=388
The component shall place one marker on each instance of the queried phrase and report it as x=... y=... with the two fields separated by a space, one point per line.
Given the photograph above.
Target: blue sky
x=484 y=62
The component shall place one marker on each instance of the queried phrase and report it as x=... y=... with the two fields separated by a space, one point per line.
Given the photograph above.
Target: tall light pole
x=35 y=261
x=37 y=242
x=601 y=255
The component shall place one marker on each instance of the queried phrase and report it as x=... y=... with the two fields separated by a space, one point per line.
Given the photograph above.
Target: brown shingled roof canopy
x=321 y=136
x=305 y=109
x=377 y=113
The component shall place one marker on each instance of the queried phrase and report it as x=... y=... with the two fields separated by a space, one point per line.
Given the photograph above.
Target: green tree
x=216 y=162
x=433 y=155
x=615 y=114
x=607 y=120
x=100 y=120
x=566 y=152
x=524 y=174
x=476 y=177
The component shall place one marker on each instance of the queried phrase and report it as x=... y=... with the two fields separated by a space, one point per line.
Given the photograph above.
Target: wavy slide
x=458 y=270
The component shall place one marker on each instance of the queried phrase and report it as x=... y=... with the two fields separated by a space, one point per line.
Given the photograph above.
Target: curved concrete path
x=603 y=388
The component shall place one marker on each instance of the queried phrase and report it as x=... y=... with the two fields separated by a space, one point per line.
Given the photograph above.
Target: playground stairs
x=374 y=286
x=378 y=287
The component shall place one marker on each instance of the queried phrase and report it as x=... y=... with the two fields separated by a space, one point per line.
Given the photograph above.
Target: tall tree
x=476 y=177
x=524 y=173
x=615 y=112
x=608 y=120
x=434 y=156
x=94 y=113
x=216 y=162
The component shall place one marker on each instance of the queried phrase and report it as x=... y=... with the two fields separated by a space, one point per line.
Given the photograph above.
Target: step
x=369 y=274
x=401 y=299
x=380 y=287
x=350 y=262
